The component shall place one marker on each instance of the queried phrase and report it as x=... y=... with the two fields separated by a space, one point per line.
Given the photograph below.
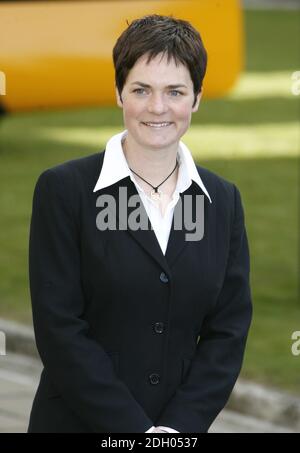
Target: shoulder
x=216 y=185
x=225 y=195
x=74 y=174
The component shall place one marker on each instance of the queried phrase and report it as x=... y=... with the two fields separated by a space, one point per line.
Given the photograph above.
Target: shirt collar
x=115 y=167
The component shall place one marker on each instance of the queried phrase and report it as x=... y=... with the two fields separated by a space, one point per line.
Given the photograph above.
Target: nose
x=157 y=104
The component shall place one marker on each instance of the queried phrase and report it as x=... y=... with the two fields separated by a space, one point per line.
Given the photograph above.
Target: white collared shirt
x=115 y=168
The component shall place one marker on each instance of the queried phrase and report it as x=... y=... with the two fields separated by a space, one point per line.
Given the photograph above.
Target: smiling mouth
x=158 y=125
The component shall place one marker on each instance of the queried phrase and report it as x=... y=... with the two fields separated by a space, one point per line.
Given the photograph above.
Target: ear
x=196 y=106
x=118 y=97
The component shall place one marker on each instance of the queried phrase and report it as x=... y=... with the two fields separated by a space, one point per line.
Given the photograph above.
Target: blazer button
x=159 y=327
x=154 y=378
x=163 y=277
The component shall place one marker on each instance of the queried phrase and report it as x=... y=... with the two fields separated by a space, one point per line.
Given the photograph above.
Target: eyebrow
x=144 y=85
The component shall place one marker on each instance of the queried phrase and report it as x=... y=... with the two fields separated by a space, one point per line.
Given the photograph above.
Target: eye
x=138 y=90
x=177 y=92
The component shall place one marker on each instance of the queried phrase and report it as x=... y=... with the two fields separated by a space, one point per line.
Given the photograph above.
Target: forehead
x=159 y=69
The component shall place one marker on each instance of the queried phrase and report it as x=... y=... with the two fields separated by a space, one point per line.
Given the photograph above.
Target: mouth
x=157 y=125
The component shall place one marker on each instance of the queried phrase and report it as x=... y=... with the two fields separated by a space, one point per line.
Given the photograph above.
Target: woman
x=139 y=263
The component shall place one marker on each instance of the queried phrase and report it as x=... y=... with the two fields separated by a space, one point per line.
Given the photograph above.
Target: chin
x=158 y=145
x=159 y=142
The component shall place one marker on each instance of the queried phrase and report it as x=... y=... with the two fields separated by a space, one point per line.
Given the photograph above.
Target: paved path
x=19 y=377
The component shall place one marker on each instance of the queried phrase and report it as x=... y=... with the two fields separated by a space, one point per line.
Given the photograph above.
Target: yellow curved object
x=59 y=54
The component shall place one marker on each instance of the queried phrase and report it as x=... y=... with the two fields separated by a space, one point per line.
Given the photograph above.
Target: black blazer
x=129 y=337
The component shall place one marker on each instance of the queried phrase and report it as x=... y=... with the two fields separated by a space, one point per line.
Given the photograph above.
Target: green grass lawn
x=249 y=137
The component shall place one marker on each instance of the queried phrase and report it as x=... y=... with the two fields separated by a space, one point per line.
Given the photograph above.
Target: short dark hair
x=155 y=34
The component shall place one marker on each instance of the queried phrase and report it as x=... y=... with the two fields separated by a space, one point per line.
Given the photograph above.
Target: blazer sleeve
x=219 y=355
x=78 y=365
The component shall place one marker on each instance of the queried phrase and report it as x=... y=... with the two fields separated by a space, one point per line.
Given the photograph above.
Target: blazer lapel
x=184 y=210
x=145 y=237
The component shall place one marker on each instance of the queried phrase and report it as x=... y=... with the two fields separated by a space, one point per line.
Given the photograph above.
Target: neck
x=153 y=165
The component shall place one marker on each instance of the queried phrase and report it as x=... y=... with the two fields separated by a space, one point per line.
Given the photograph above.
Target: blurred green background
x=250 y=137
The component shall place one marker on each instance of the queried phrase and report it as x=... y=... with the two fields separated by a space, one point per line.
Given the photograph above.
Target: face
x=161 y=93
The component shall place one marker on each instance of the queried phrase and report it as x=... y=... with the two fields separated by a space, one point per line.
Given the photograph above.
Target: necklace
x=155 y=193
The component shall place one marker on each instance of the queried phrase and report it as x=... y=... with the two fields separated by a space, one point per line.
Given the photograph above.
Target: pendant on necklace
x=155 y=195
